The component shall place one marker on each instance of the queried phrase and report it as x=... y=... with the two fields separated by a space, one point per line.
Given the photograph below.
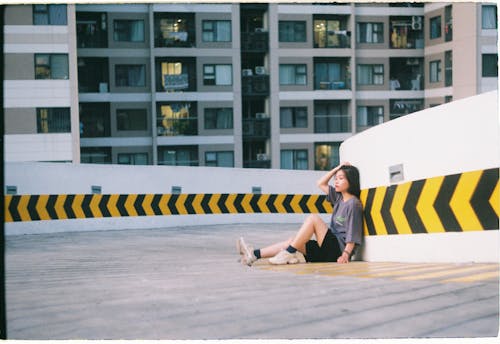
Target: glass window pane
x=59 y=68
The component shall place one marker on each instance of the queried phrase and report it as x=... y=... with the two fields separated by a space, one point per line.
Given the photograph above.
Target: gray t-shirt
x=347 y=218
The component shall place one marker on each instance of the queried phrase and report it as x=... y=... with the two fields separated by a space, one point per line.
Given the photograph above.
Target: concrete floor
x=186 y=283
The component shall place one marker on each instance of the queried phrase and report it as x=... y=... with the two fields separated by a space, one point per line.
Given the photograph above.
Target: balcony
x=255 y=85
x=177 y=126
x=401 y=107
x=91 y=30
x=263 y=161
x=332 y=124
x=255 y=41
x=174 y=30
x=406 y=74
x=256 y=129
x=406 y=32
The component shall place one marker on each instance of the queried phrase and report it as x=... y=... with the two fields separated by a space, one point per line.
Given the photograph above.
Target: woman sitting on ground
x=334 y=243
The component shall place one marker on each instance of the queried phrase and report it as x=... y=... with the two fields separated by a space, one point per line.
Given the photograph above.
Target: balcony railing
x=334 y=85
x=261 y=163
x=255 y=85
x=334 y=39
x=256 y=128
x=177 y=126
x=255 y=41
x=332 y=124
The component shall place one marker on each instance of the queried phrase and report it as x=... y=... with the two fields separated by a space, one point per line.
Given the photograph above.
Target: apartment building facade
x=239 y=85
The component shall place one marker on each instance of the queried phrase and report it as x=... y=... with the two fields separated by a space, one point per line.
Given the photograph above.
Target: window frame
x=373 y=115
x=374 y=75
x=45 y=10
x=212 y=75
x=296 y=159
x=494 y=7
x=433 y=22
x=435 y=71
x=296 y=74
x=296 y=112
x=128 y=29
x=366 y=24
x=297 y=38
x=214 y=30
x=217 y=112
x=128 y=111
x=50 y=67
x=216 y=162
x=44 y=124
x=485 y=73
x=128 y=84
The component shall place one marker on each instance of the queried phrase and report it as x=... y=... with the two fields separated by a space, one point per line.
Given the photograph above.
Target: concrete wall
x=55 y=178
x=453 y=138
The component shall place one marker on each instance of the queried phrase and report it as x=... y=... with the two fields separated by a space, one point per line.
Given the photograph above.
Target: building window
x=448 y=68
x=131 y=119
x=128 y=30
x=91 y=30
x=174 y=29
x=435 y=71
x=293 y=117
x=51 y=66
x=220 y=75
x=175 y=119
x=216 y=30
x=95 y=120
x=331 y=117
x=435 y=26
x=292 y=31
x=370 y=74
x=370 y=33
x=490 y=65
x=294 y=159
x=448 y=23
x=326 y=156
x=489 y=17
x=367 y=116
x=293 y=74
x=130 y=75
x=53 y=120
x=331 y=75
x=176 y=75
x=219 y=159
x=133 y=158
x=219 y=118
x=49 y=15
x=331 y=33
x=95 y=155
x=178 y=155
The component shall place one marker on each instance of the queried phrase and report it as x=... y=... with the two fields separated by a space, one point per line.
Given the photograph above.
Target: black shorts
x=329 y=251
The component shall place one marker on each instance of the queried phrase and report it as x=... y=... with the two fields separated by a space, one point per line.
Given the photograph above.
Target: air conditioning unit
x=260 y=70
x=261 y=115
x=247 y=72
x=416 y=23
x=262 y=157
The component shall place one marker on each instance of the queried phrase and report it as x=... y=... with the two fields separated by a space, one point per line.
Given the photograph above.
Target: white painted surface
x=36 y=93
x=49 y=178
x=37 y=147
x=452 y=138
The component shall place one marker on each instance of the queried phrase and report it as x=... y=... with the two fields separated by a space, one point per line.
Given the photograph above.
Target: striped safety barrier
x=468 y=201
x=59 y=207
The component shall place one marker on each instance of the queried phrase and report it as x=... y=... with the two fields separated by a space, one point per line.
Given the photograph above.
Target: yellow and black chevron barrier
x=468 y=201
x=59 y=207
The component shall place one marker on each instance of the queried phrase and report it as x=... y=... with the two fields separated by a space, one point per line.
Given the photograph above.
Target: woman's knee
x=314 y=218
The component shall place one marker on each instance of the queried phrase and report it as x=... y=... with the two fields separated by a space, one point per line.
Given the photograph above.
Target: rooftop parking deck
x=186 y=283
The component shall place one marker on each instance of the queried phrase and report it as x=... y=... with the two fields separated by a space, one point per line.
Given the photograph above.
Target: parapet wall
x=53 y=197
x=430 y=183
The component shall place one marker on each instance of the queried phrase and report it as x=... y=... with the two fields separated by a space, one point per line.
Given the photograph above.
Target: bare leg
x=271 y=251
x=312 y=225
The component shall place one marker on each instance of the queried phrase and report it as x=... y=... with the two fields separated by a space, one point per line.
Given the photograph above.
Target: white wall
x=457 y=137
x=56 y=178
x=38 y=147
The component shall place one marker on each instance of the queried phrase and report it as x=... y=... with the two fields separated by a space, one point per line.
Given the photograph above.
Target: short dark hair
x=352 y=175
